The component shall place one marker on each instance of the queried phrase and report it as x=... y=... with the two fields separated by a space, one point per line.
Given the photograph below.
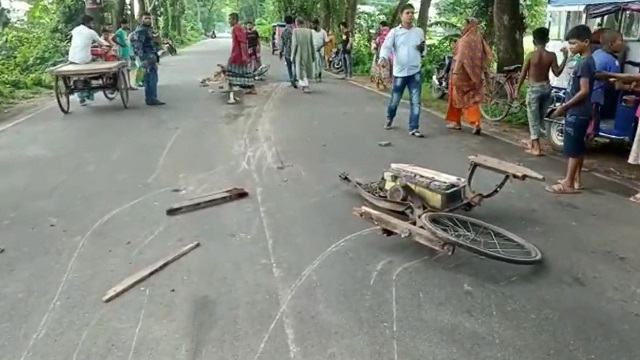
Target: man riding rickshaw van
x=82 y=39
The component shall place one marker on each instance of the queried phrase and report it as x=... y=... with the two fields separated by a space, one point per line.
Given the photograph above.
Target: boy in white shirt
x=320 y=38
x=82 y=37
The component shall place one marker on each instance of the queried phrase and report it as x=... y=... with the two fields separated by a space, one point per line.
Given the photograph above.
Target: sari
x=466 y=89
x=380 y=75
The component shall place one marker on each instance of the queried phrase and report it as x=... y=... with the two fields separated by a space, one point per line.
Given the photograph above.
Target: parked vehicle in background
x=335 y=60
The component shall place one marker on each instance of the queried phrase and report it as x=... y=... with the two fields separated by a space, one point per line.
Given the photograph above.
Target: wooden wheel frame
x=62 y=88
x=123 y=88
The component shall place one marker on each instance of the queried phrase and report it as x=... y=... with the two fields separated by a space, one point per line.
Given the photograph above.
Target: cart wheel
x=62 y=89
x=123 y=89
x=110 y=94
x=481 y=238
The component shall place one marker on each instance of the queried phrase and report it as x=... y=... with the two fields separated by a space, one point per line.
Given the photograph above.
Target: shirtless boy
x=537 y=66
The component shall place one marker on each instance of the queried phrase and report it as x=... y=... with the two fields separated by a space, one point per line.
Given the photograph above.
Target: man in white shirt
x=320 y=38
x=406 y=43
x=82 y=37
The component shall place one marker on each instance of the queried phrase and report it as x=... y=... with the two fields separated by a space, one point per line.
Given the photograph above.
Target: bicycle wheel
x=496 y=104
x=481 y=238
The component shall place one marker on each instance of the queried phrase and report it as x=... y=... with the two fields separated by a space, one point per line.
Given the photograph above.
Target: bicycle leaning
x=501 y=96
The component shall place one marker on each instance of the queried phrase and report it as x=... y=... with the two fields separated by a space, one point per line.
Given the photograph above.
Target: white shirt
x=402 y=44
x=82 y=38
x=319 y=38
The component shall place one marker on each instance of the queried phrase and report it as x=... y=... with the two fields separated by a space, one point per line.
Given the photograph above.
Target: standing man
x=285 y=48
x=320 y=38
x=347 y=44
x=146 y=51
x=303 y=54
x=253 y=41
x=406 y=43
x=121 y=37
x=239 y=72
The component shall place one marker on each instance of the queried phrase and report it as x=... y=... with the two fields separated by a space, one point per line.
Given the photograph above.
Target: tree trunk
x=350 y=14
x=423 y=14
x=509 y=29
x=94 y=9
x=119 y=11
x=142 y=6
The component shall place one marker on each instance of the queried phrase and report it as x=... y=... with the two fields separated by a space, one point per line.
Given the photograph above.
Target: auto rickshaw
x=276 y=31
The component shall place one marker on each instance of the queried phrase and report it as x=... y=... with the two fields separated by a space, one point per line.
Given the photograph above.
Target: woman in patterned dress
x=471 y=58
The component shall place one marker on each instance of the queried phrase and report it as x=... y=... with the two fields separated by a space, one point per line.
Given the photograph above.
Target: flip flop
x=559 y=189
x=530 y=152
x=454 y=127
x=579 y=188
x=635 y=198
x=525 y=143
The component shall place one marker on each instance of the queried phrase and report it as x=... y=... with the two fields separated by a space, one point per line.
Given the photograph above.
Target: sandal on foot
x=560 y=189
x=477 y=131
x=635 y=198
x=579 y=187
x=533 y=153
x=454 y=127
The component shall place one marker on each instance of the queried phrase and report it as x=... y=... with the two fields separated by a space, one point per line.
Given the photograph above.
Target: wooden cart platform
x=92 y=68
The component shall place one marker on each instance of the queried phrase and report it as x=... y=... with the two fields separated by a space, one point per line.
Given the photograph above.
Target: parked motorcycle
x=335 y=60
x=440 y=79
x=168 y=46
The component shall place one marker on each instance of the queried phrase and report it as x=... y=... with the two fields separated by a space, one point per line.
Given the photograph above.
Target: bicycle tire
x=430 y=221
x=497 y=84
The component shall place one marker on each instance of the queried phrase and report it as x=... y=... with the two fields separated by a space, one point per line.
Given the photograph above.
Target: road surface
x=288 y=272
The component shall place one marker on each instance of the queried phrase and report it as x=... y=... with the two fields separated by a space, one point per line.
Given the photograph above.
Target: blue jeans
x=151 y=83
x=414 y=83
x=290 y=69
x=346 y=64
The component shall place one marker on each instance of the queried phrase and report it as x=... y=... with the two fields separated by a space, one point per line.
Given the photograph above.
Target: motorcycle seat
x=512 y=68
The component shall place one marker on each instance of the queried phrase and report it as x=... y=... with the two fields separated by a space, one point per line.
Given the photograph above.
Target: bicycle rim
x=481 y=238
x=496 y=104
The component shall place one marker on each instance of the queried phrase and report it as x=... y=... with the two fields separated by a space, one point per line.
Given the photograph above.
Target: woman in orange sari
x=471 y=58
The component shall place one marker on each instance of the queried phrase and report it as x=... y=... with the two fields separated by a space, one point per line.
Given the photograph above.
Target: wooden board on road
x=504 y=167
x=217 y=198
x=145 y=273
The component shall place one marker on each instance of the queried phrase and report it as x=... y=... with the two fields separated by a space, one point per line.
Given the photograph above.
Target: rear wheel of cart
x=123 y=88
x=62 y=88
x=481 y=238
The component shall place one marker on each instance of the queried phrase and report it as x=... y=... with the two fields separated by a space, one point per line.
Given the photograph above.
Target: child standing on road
x=536 y=67
x=576 y=109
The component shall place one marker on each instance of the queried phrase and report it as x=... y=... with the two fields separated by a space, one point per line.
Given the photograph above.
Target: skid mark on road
x=377 y=270
x=139 y=326
x=164 y=155
x=393 y=296
x=147 y=240
x=302 y=278
x=86 y=331
x=42 y=328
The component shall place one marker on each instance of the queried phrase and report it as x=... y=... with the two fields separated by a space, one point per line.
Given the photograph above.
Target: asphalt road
x=288 y=272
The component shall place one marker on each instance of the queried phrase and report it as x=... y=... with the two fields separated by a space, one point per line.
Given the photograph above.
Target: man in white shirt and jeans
x=320 y=38
x=406 y=43
x=82 y=37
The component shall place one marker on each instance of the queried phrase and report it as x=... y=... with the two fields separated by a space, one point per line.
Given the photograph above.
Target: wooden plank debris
x=145 y=273
x=402 y=228
x=213 y=199
x=504 y=167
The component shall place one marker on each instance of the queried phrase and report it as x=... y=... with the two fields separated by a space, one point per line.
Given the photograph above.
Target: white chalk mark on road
x=43 y=323
x=164 y=154
x=302 y=278
x=135 y=335
x=144 y=243
x=377 y=270
x=86 y=331
x=393 y=295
